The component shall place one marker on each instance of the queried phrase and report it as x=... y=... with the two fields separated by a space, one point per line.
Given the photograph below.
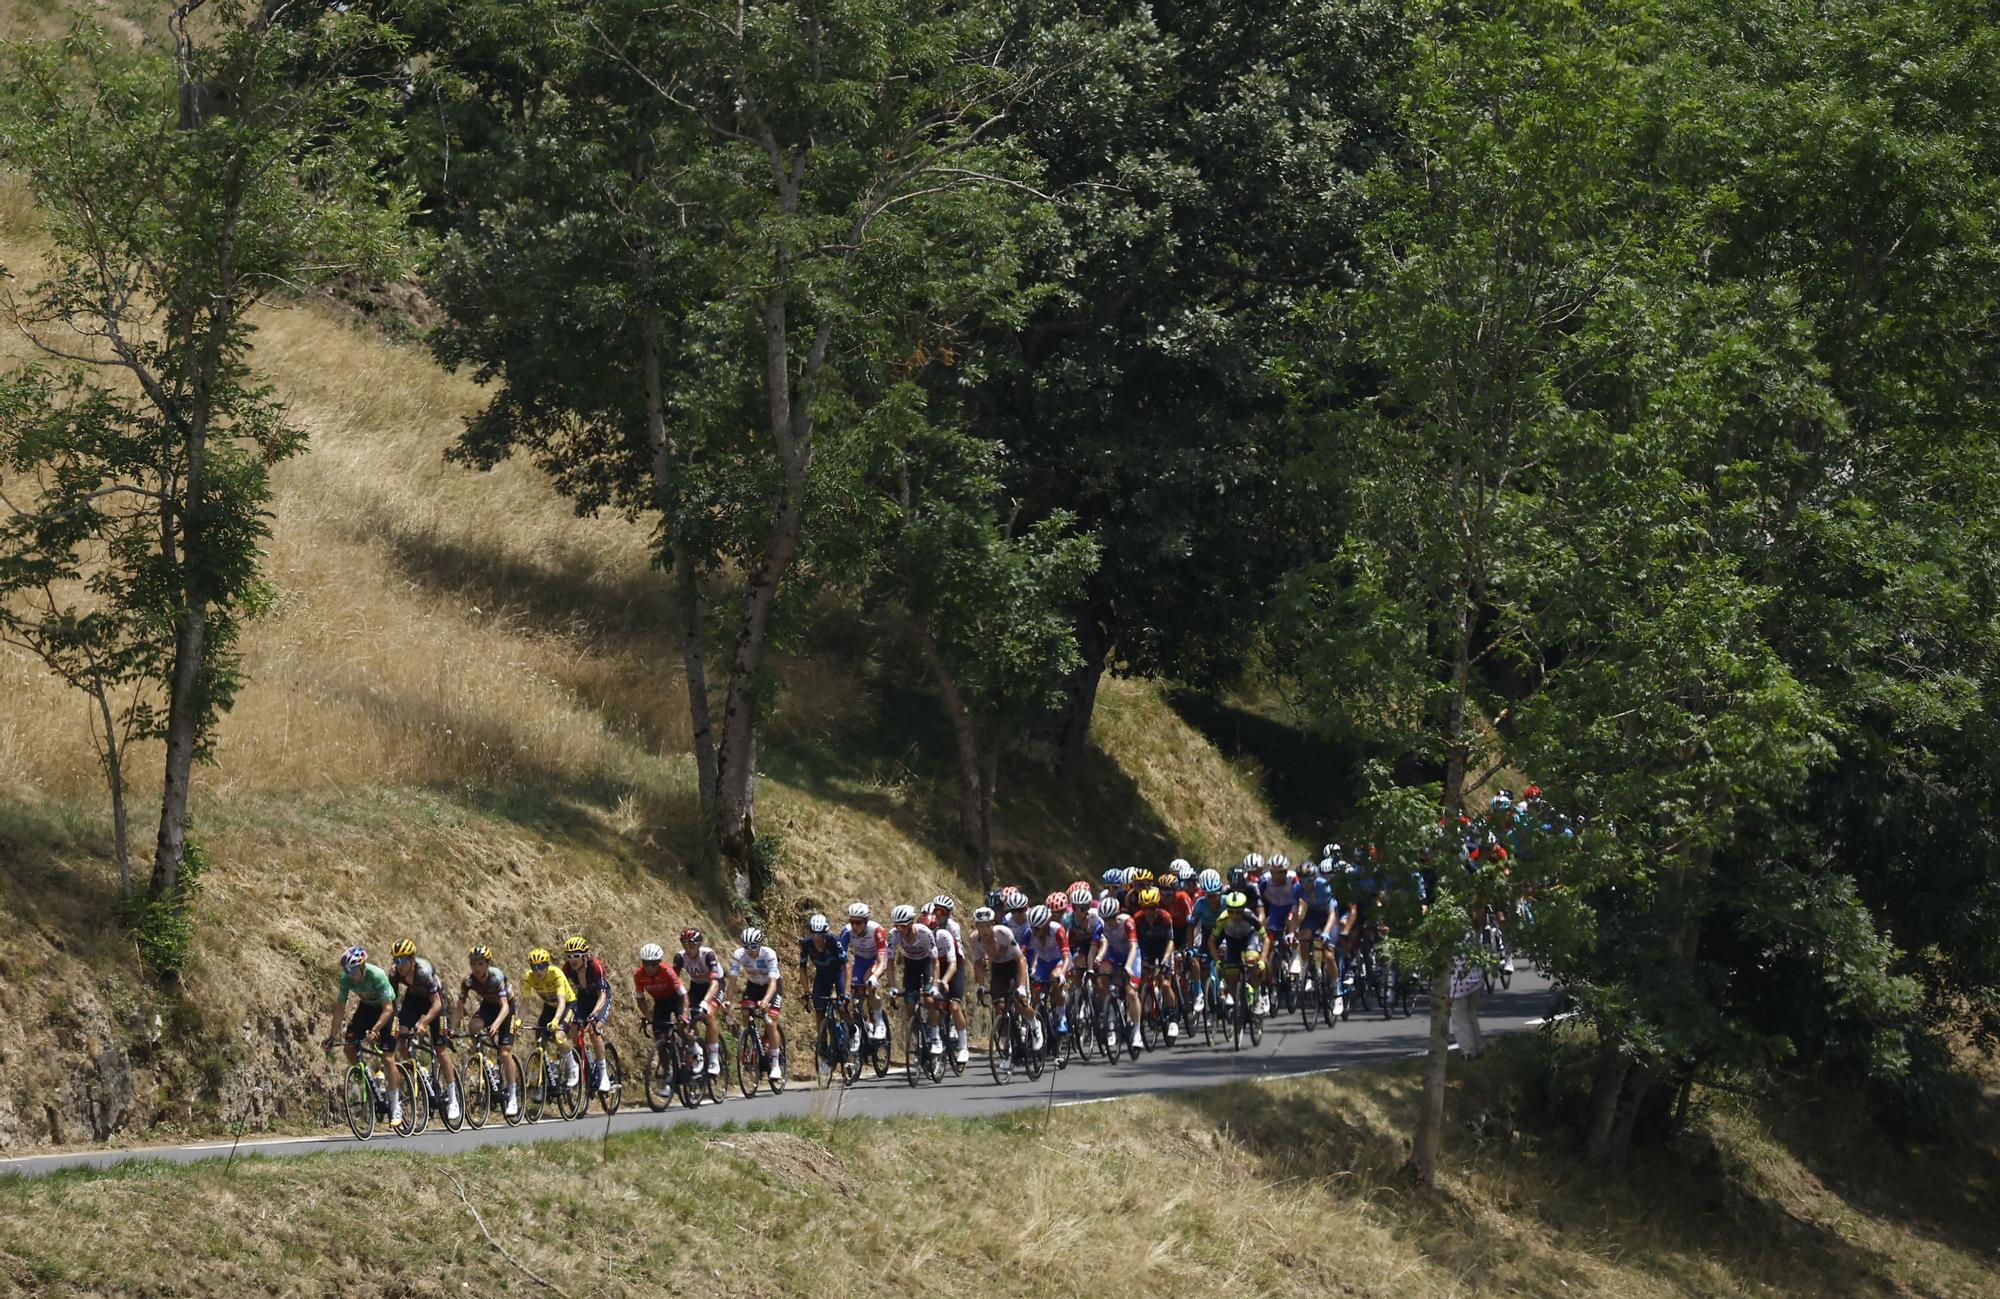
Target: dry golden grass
x=1287 y=1189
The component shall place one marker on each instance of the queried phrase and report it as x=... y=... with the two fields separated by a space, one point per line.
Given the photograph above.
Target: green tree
x=1500 y=228
x=755 y=215
x=987 y=598
x=176 y=198
x=1208 y=162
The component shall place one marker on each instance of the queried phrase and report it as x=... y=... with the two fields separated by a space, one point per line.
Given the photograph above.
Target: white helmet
x=1253 y=862
x=1038 y=916
x=1180 y=868
x=1108 y=908
x=903 y=915
x=753 y=937
x=1210 y=881
x=858 y=911
x=1130 y=875
x=652 y=952
x=1013 y=899
x=1280 y=862
x=943 y=902
x=1331 y=850
x=815 y=923
x=983 y=916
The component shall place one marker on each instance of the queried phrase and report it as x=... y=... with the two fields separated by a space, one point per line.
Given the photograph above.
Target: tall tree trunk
x=791 y=428
x=112 y=756
x=1079 y=701
x=978 y=764
x=1612 y=1066
x=183 y=730
x=687 y=586
x=687 y=582
x=1427 y=1149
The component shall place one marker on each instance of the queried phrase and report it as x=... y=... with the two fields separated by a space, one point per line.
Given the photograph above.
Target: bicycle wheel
x=1255 y=1023
x=956 y=1065
x=572 y=1099
x=882 y=1047
x=850 y=1051
x=357 y=1101
x=614 y=1073
x=826 y=1064
x=656 y=1076
x=475 y=1089
x=749 y=1061
x=1034 y=1059
x=535 y=1085
x=1000 y=1055
x=1239 y=1010
x=779 y=1079
x=445 y=1098
x=416 y=1104
x=1152 y=1032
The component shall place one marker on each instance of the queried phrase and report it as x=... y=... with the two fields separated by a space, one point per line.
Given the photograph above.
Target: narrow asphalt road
x=1287 y=1050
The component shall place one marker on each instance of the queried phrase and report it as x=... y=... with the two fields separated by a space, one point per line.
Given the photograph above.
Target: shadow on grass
x=56 y=864
x=1309 y=782
x=900 y=766
x=1945 y=1190
x=1678 y=1217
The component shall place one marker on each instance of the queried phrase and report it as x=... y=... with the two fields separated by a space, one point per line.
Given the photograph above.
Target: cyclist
x=1078 y=920
x=917 y=945
x=1279 y=889
x=824 y=953
x=1320 y=926
x=996 y=960
x=943 y=915
x=951 y=977
x=1235 y=936
x=654 y=981
x=1201 y=920
x=376 y=1000
x=1115 y=957
x=1179 y=903
x=547 y=980
x=420 y=1013
x=757 y=966
x=592 y=982
x=1153 y=929
x=1048 y=957
x=701 y=971
x=1014 y=913
x=495 y=1016
x=867 y=945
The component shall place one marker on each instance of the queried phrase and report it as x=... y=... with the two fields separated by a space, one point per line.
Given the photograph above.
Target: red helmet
x=689 y=937
x=1057 y=903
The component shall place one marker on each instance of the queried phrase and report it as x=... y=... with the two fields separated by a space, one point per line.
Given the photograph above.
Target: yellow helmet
x=480 y=953
x=1143 y=876
x=1236 y=902
x=540 y=956
x=576 y=945
x=405 y=948
x=1149 y=897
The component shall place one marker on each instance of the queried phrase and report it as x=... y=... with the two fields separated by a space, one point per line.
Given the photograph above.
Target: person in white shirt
x=754 y=968
x=917 y=945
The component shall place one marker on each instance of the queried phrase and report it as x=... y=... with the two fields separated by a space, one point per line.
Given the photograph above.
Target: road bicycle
x=1012 y=1044
x=837 y=1052
x=676 y=1068
x=552 y=1080
x=363 y=1093
x=753 y=1058
x=921 y=1054
x=483 y=1084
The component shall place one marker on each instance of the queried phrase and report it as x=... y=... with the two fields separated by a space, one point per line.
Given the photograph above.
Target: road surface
x=1287 y=1051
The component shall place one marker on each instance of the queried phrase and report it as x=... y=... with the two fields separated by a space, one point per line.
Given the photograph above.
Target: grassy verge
x=1286 y=1189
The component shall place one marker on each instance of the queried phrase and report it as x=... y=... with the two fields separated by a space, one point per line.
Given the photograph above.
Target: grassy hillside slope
x=466 y=721
x=1289 y=1189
